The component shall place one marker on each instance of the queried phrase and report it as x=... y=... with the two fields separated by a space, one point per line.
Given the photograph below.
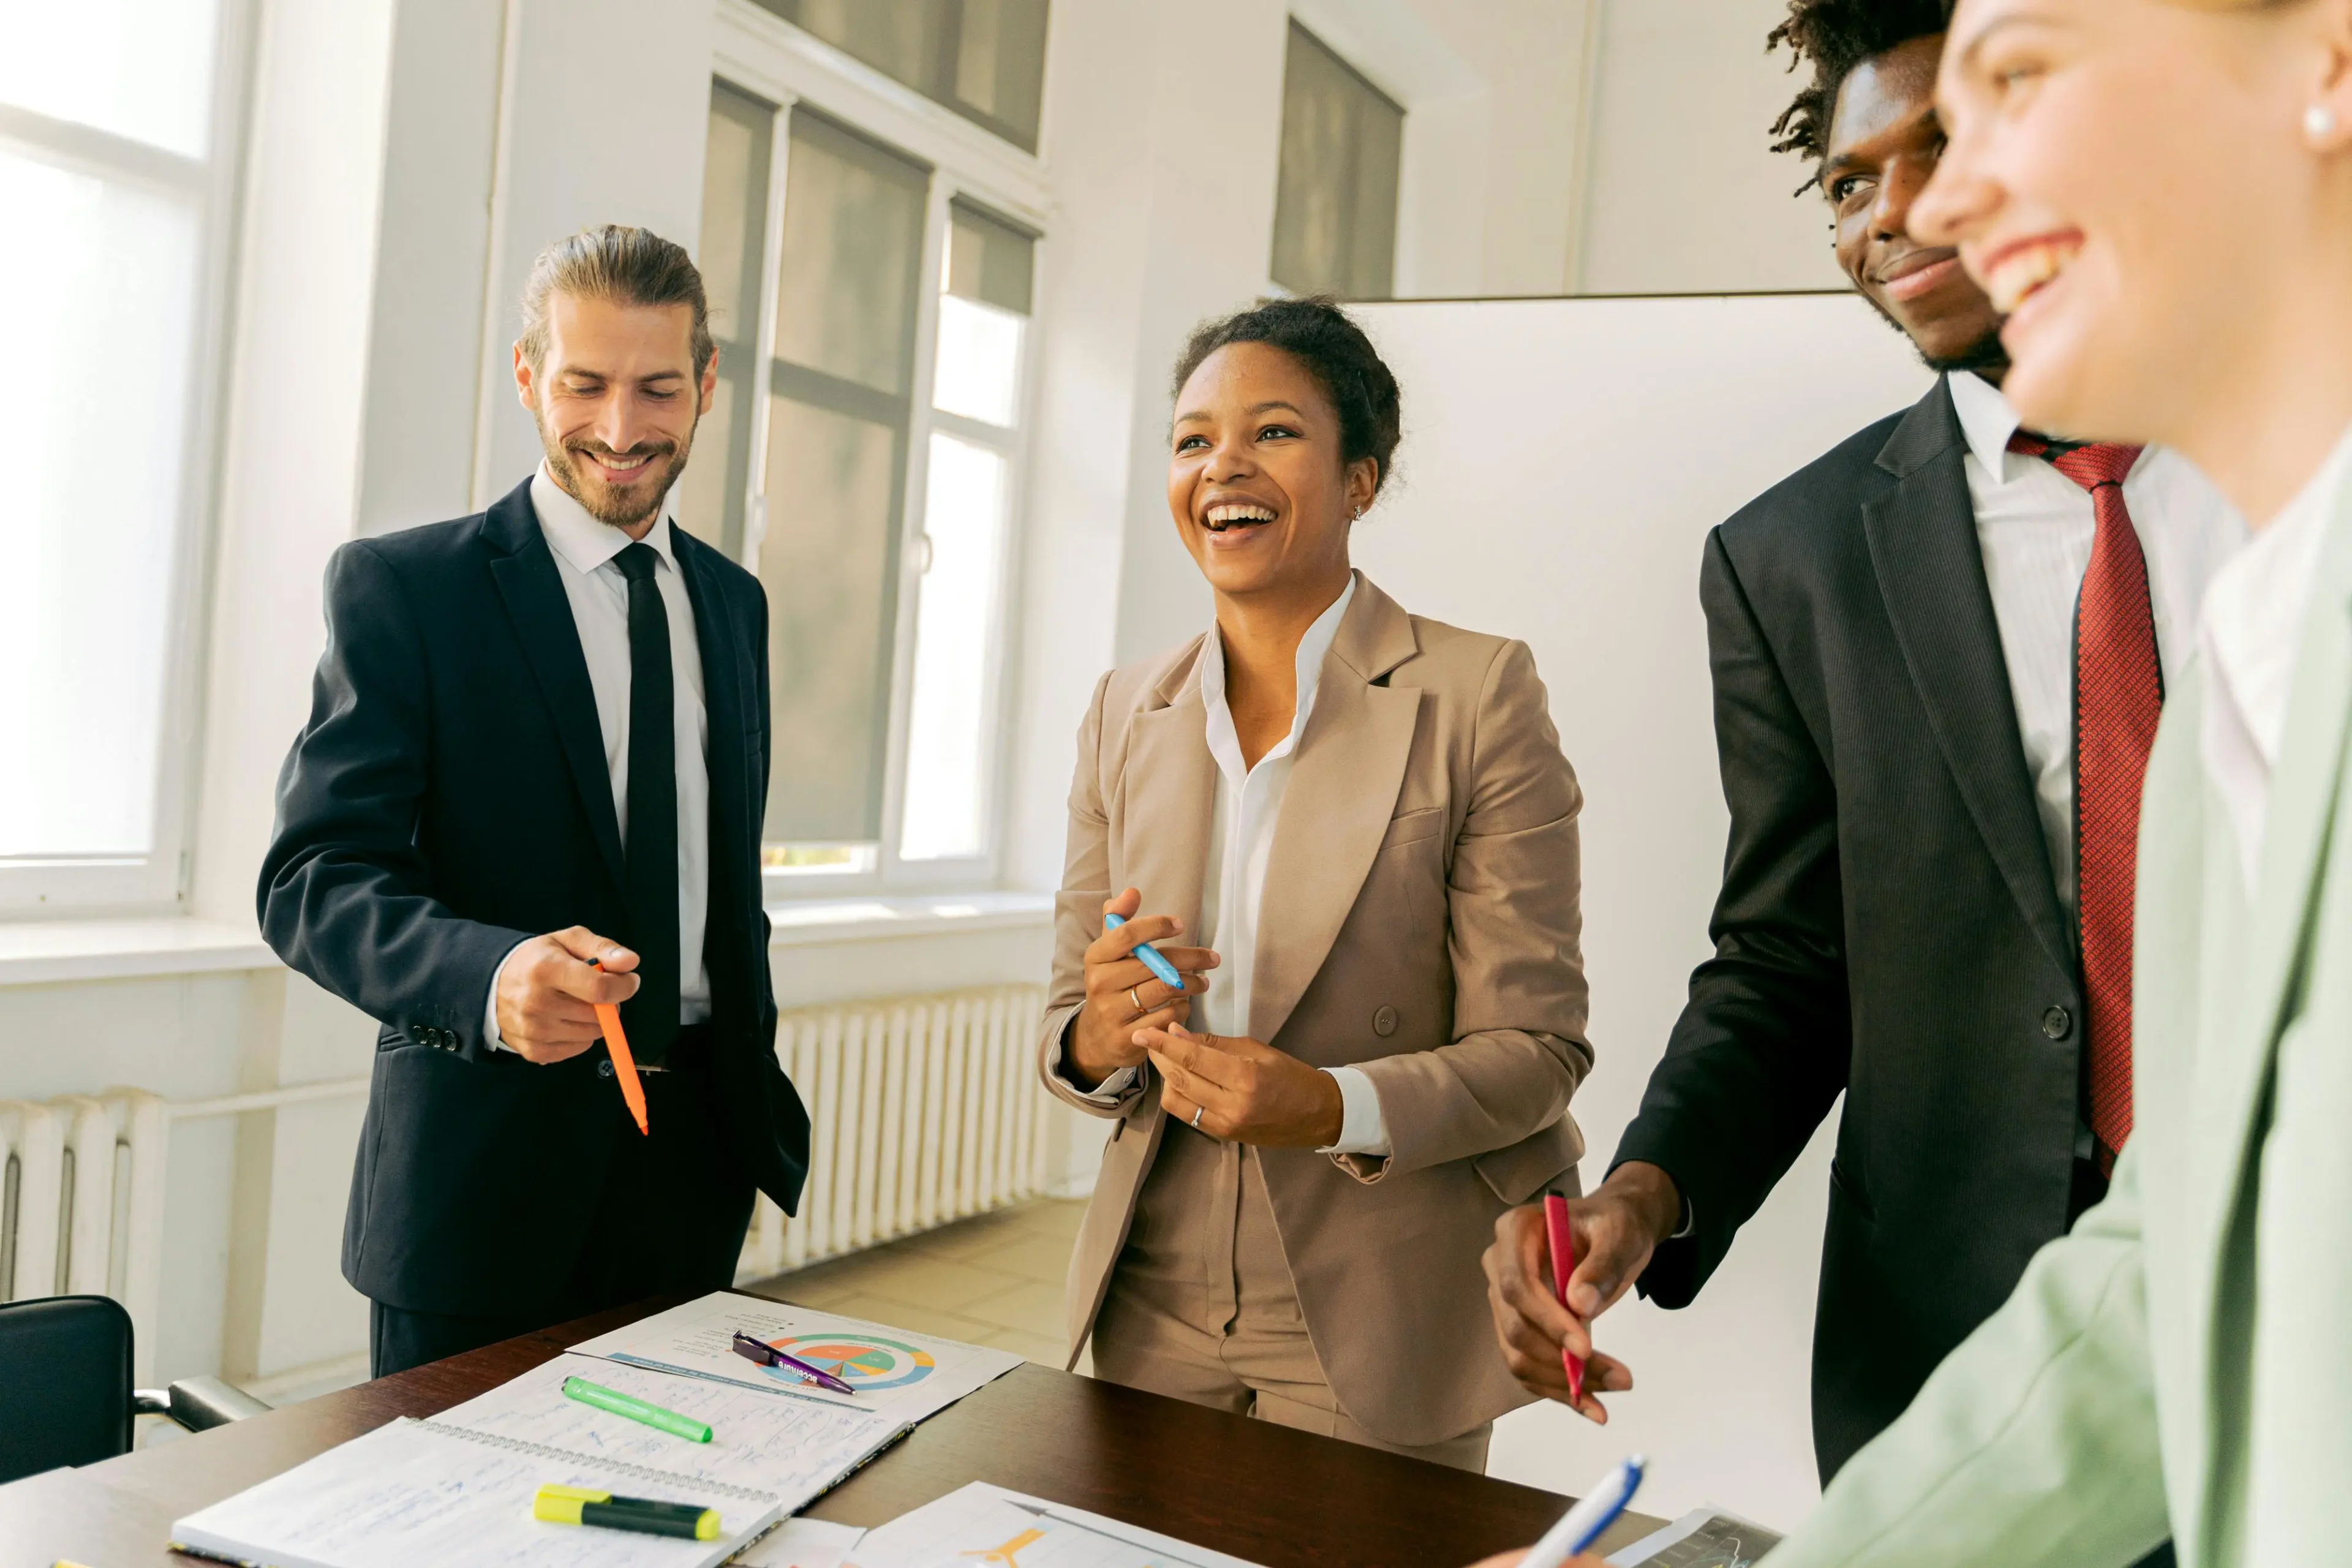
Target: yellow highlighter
x=579 y=1505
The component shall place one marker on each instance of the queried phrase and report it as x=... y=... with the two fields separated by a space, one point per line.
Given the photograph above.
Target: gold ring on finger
x=1139 y=1008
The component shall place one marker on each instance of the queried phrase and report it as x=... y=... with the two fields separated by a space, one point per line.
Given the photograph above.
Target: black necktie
x=651 y=1016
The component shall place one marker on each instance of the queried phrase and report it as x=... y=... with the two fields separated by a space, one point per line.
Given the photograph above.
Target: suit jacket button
x=604 y=1068
x=1384 y=1022
x=2056 y=1022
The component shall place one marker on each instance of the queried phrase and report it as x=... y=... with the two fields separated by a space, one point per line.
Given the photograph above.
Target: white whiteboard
x=1563 y=460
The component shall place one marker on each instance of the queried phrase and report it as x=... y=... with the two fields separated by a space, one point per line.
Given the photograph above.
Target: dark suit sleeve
x=1760 y=1052
x=758 y=599
x=345 y=894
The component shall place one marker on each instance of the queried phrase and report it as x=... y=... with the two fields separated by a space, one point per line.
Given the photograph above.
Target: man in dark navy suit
x=538 y=744
x=1925 y=719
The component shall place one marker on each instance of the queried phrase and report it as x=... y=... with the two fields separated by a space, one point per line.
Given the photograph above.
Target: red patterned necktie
x=2119 y=697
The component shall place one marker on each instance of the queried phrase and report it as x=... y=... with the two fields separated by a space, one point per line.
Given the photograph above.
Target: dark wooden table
x=1274 y=1496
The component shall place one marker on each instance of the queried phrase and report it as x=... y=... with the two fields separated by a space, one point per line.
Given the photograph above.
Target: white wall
x=1166 y=158
x=428 y=330
x=1493 y=97
x=181 y=1036
x=250 y=1270
x=1094 y=390
x=1683 y=195
x=602 y=119
x=299 y=359
x=1551 y=494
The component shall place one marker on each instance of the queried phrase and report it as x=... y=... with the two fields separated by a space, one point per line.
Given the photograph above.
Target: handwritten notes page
x=896 y=1373
x=788 y=1448
x=982 y=1526
x=458 y=1488
x=406 y=1494
x=1703 y=1538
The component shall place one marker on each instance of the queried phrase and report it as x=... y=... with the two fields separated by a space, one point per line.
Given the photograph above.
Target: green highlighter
x=620 y=1403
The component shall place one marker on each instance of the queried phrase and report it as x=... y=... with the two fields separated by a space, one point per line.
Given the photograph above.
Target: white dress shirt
x=2036 y=527
x=585 y=552
x=2250 y=634
x=1248 y=806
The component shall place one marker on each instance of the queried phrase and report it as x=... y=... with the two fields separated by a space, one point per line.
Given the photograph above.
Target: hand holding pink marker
x=1563 y=1263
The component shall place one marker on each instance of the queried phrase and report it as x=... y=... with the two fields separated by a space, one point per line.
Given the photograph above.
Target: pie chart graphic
x=866 y=1364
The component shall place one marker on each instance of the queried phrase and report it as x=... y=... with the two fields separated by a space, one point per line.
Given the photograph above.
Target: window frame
x=161 y=881
x=1298 y=31
x=759 y=53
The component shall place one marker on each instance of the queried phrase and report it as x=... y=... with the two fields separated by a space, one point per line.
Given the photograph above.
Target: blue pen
x=1580 y=1526
x=1164 y=970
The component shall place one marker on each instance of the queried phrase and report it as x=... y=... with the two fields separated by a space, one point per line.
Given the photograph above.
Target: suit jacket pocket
x=1412 y=826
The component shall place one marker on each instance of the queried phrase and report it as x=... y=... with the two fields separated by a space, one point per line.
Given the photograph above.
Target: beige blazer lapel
x=1169 y=789
x=1343 y=789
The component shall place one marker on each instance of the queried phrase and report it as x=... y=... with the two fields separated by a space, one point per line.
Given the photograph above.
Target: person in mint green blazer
x=2158 y=195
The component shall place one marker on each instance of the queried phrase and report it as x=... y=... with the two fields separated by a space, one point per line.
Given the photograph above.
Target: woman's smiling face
x=1257 y=482
x=2118 y=176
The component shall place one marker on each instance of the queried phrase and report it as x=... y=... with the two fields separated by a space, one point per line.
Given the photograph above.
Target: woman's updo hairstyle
x=1326 y=340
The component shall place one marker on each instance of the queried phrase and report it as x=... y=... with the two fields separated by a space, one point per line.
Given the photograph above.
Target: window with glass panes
x=116 y=168
x=861 y=458
x=983 y=59
x=1335 y=213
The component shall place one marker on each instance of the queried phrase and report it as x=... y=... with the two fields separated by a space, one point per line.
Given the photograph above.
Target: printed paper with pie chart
x=867 y=1362
x=895 y=1371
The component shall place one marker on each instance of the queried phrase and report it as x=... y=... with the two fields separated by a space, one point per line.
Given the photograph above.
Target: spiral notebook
x=458 y=1488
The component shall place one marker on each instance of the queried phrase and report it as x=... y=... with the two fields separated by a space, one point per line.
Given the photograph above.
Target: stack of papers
x=458 y=1488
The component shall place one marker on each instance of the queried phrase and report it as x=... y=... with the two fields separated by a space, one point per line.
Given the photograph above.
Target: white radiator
x=925 y=1109
x=81 y=1202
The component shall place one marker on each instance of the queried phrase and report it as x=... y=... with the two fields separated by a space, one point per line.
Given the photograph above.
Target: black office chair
x=65 y=1386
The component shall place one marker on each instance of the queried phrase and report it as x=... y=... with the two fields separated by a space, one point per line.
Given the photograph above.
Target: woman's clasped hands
x=1124 y=997
x=1243 y=1090
x=1227 y=1086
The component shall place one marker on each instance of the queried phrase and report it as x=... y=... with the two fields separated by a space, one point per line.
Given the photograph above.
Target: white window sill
x=44 y=953
x=47 y=953
x=807 y=922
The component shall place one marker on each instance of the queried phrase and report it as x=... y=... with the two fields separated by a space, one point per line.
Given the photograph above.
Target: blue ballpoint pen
x=1580 y=1526
x=1161 y=968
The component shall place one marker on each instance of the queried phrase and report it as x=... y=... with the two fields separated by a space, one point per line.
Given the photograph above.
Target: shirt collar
x=581 y=541
x=2254 y=611
x=1986 y=419
x=2308 y=511
x=1311 y=649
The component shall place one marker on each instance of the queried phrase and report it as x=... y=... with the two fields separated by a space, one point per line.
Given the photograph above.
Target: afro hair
x=1834 y=37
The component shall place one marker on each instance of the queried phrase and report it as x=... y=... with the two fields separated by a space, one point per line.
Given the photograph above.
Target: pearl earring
x=2318 y=122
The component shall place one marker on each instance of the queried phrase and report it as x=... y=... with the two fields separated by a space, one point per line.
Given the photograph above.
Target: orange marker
x=624 y=1066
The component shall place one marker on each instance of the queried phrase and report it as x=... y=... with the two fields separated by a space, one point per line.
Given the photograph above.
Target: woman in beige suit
x=1366 y=819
